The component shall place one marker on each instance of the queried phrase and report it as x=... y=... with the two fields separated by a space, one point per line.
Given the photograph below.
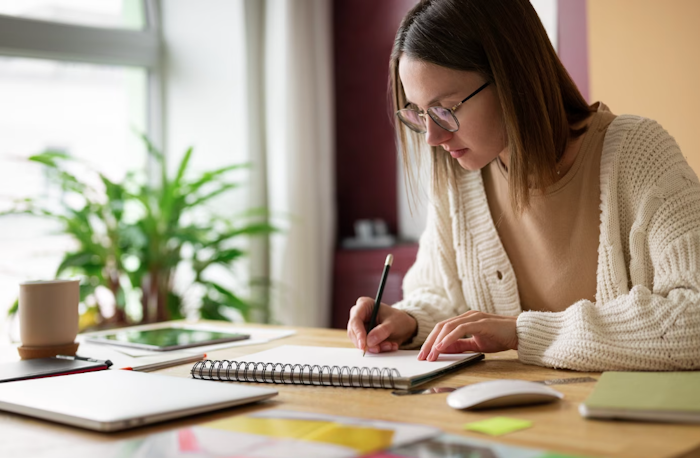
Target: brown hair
x=505 y=42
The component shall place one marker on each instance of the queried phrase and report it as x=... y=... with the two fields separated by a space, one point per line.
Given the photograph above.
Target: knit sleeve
x=431 y=286
x=651 y=317
x=640 y=330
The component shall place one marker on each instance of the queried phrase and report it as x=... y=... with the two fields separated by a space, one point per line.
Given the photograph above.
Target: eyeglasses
x=443 y=117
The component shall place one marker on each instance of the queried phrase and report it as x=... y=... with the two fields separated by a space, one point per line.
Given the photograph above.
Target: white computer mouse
x=501 y=393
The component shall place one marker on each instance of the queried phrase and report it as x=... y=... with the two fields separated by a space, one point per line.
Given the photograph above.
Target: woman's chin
x=471 y=163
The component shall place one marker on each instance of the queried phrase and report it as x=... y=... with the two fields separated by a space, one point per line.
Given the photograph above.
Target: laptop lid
x=116 y=400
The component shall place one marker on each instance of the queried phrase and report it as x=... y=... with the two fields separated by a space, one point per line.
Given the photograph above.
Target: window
x=82 y=89
x=118 y=14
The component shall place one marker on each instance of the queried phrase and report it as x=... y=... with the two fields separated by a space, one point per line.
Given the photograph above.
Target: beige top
x=553 y=245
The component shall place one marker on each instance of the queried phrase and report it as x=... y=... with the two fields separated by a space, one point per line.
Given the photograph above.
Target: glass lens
x=444 y=118
x=413 y=120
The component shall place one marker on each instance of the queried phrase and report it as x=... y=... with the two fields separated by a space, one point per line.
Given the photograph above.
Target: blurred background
x=295 y=90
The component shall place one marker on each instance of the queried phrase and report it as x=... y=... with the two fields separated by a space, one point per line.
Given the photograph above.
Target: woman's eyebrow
x=436 y=99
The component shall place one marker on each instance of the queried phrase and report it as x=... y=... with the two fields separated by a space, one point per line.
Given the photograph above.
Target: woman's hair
x=505 y=42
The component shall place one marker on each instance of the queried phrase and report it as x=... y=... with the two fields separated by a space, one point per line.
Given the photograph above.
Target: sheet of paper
x=120 y=360
x=257 y=336
x=405 y=361
x=498 y=426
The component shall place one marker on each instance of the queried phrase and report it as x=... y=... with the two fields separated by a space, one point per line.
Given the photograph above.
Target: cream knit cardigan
x=647 y=310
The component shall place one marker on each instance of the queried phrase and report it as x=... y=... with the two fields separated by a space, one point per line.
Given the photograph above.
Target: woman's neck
x=573 y=146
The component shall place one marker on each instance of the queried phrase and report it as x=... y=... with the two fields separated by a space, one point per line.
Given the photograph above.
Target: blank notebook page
x=405 y=361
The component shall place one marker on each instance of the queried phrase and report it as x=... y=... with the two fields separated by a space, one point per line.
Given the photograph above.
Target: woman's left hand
x=489 y=333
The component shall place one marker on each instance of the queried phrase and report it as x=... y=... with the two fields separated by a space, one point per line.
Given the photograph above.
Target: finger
x=437 y=333
x=447 y=328
x=379 y=334
x=386 y=346
x=455 y=335
x=362 y=308
x=428 y=344
x=454 y=330
x=357 y=328
x=351 y=335
x=461 y=346
x=351 y=330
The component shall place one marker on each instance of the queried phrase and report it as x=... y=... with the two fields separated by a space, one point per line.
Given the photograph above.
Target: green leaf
x=212 y=175
x=209 y=310
x=14 y=308
x=182 y=168
x=174 y=306
x=223 y=257
x=48 y=158
x=82 y=259
x=222 y=189
x=86 y=289
x=152 y=150
x=250 y=230
x=229 y=299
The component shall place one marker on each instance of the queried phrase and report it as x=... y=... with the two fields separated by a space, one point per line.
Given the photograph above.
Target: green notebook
x=649 y=396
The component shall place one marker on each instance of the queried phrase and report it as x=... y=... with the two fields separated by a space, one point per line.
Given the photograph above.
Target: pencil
x=378 y=300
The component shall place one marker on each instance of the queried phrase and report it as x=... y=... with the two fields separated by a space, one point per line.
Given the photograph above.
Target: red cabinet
x=357 y=273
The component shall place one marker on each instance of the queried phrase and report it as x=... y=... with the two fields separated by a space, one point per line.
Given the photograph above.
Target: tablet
x=164 y=339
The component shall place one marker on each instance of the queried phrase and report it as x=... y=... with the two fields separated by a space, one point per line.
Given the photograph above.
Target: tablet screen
x=167 y=338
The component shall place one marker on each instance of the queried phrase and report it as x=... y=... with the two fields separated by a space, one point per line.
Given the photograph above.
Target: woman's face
x=481 y=136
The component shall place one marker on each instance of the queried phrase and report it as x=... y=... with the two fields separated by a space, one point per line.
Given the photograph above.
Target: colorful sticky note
x=188 y=441
x=557 y=455
x=498 y=426
x=273 y=427
x=362 y=439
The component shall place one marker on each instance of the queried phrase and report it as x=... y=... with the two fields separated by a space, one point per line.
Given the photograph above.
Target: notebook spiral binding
x=295 y=374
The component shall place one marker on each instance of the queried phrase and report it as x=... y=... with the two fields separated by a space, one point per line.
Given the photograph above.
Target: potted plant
x=132 y=237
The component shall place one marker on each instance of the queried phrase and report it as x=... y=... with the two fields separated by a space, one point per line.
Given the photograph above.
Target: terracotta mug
x=48 y=312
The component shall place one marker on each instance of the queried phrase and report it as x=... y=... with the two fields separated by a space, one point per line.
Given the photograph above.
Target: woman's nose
x=435 y=135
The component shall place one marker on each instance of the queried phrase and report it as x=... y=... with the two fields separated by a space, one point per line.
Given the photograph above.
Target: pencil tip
x=389 y=259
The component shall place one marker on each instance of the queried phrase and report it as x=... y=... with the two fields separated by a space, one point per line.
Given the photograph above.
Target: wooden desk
x=557 y=427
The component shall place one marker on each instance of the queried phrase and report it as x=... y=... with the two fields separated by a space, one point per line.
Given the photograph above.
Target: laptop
x=121 y=399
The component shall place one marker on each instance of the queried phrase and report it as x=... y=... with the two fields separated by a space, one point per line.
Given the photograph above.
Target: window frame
x=34 y=38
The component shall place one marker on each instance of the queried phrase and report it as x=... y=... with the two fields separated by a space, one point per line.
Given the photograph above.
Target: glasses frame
x=432 y=116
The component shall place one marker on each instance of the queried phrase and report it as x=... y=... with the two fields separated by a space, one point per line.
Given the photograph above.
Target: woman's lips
x=459 y=153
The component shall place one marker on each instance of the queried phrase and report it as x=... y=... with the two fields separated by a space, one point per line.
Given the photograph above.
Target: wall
x=644 y=60
x=366 y=158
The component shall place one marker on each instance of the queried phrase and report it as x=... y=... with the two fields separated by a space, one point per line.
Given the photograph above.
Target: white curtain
x=292 y=143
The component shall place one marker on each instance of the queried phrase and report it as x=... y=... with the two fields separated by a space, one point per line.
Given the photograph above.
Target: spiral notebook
x=331 y=366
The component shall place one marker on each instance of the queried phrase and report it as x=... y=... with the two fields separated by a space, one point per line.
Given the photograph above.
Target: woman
x=555 y=228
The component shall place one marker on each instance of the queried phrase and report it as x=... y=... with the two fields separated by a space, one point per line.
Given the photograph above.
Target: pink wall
x=573 y=41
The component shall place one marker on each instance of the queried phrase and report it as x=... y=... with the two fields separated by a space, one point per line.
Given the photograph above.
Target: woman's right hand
x=393 y=328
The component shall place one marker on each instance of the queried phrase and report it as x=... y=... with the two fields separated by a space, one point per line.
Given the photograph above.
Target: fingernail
x=438 y=346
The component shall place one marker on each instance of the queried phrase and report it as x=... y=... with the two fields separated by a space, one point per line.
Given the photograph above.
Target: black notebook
x=330 y=366
x=46 y=367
